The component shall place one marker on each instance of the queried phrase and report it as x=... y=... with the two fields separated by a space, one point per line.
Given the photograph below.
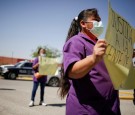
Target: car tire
x=5 y=77
x=54 y=82
x=12 y=76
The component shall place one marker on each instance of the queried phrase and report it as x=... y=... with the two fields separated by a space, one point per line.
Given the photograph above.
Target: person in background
x=85 y=79
x=38 y=80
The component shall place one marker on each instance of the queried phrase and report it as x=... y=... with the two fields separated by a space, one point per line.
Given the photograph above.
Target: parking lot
x=15 y=97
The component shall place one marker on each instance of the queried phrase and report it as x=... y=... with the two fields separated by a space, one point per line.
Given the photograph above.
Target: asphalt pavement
x=15 y=97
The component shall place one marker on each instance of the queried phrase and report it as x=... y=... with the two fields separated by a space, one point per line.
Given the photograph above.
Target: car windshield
x=17 y=64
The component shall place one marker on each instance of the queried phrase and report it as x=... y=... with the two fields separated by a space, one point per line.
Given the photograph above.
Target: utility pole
x=12 y=56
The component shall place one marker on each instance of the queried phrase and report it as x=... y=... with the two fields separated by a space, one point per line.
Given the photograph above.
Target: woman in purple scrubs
x=85 y=77
x=36 y=81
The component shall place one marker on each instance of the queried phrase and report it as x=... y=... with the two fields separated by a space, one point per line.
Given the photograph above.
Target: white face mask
x=97 y=29
x=43 y=55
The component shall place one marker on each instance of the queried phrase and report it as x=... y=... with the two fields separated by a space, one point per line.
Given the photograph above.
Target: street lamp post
x=12 y=57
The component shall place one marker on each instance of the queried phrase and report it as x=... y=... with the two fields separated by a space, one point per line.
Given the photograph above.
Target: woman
x=38 y=79
x=86 y=80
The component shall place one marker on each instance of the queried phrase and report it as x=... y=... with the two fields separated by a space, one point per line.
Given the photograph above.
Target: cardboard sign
x=47 y=66
x=120 y=37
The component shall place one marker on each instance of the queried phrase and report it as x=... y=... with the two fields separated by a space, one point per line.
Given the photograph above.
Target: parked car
x=20 y=68
x=54 y=81
x=4 y=66
x=24 y=68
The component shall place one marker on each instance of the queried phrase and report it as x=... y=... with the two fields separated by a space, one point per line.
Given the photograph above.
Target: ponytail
x=74 y=29
x=64 y=84
x=64 y=81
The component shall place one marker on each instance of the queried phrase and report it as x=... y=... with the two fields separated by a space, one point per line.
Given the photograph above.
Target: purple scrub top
x=42 y=79
x=93 y=94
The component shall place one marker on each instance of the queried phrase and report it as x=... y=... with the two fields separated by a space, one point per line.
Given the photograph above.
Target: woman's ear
x=82 y=23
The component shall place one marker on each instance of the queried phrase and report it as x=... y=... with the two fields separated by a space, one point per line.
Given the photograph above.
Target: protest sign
x=120 y=36
x=47 y=66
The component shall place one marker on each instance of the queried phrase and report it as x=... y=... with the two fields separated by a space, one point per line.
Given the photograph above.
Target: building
x=10 y=60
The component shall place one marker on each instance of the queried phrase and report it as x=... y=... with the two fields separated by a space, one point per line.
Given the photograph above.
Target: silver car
x=54 y=81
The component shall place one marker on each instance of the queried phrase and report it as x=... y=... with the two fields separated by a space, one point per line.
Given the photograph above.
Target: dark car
x=4 y=66
x=24 y=68
x=21 y=68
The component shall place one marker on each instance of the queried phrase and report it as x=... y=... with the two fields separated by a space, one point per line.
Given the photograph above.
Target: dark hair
x=74 y=29
x=64 y=84
x=38 y=52
x=75 y=26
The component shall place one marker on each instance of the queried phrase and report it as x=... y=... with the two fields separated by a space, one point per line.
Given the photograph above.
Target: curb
x=25 y=78
x=126 y=95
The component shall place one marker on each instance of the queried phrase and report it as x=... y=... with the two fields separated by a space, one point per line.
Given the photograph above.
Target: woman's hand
x=82 y=67
x=99 y=50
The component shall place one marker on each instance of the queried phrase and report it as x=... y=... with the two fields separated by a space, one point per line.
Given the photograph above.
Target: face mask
x=97 y=29
x=43 y=55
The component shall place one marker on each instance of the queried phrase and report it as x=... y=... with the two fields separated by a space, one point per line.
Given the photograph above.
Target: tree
x=50 y=52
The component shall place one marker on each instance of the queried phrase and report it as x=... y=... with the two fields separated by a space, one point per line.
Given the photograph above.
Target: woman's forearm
x=82 y=67
x=35 y=66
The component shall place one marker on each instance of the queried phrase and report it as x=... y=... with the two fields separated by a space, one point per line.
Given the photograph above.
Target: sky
x=27 y=24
